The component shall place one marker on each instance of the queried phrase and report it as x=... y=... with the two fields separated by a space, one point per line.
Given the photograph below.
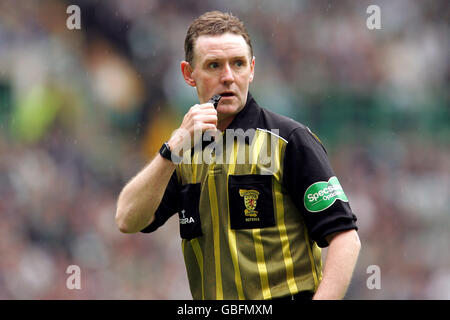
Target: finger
x=204 y=112
x=212 y=119
x=207 y=105
x=202 y=108
x=209 y=127
x=203 y=126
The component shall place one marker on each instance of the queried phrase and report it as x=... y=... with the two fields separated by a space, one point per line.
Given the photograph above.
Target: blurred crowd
x=82 y=111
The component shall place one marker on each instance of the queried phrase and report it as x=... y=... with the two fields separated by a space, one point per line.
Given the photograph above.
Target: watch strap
x=166 y=153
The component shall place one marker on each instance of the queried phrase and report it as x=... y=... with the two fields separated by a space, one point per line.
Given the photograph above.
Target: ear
x=186 y=71
x=252 y=68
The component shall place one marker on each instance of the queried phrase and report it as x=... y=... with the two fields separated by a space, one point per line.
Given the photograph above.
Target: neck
x=222 y=124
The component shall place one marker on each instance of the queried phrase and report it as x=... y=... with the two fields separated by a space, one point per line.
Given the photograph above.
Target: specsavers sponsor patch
x=321 y=195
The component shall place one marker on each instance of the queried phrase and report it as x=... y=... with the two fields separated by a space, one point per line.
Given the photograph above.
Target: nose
x=227 y=76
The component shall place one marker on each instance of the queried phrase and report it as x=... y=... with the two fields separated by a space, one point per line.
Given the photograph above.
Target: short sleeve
x=314 y=187
x=170 y=204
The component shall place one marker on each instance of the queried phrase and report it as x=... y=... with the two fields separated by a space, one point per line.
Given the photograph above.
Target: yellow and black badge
x=250 y=201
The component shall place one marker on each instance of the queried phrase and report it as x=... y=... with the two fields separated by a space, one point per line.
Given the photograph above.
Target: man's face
x=222 y=65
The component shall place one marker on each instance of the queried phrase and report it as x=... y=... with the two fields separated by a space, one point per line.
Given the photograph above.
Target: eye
x=239 y=63
x=213 y=65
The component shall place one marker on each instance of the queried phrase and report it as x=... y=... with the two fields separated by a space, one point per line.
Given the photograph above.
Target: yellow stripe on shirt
x=231 y=233
x=198 y=254
x=289 y=264
x=261 y=264
x=216 y=233
x=259 y=249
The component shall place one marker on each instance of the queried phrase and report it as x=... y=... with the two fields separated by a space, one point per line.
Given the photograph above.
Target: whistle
x=215 y=100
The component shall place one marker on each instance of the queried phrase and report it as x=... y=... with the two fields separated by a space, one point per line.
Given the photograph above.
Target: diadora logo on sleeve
x=185 y=220
x=321 y=195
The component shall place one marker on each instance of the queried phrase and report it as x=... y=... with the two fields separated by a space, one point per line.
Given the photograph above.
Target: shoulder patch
x=321 y=195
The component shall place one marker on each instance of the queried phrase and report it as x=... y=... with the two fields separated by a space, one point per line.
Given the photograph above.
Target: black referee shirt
x=255 y=206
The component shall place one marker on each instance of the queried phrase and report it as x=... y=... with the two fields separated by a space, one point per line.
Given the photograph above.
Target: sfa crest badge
x=250 y=200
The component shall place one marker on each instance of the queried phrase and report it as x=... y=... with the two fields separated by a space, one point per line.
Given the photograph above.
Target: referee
x=254 y=191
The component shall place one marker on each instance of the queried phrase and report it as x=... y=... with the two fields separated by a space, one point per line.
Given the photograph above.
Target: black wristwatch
x=166 y=153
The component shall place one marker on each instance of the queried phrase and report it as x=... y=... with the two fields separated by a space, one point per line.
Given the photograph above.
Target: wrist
x=173 y=146
x=166 y=152
x=179 y=141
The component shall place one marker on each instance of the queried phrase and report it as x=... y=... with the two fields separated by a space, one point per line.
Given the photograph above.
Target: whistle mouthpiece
x=215 y=100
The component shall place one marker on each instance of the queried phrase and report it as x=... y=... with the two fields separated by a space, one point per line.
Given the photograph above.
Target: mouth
x=227 y=94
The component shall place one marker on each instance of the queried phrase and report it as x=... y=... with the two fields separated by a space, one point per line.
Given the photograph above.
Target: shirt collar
x=248 y=117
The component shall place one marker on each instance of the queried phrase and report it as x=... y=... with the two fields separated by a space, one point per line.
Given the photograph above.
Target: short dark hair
x=213 y=23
